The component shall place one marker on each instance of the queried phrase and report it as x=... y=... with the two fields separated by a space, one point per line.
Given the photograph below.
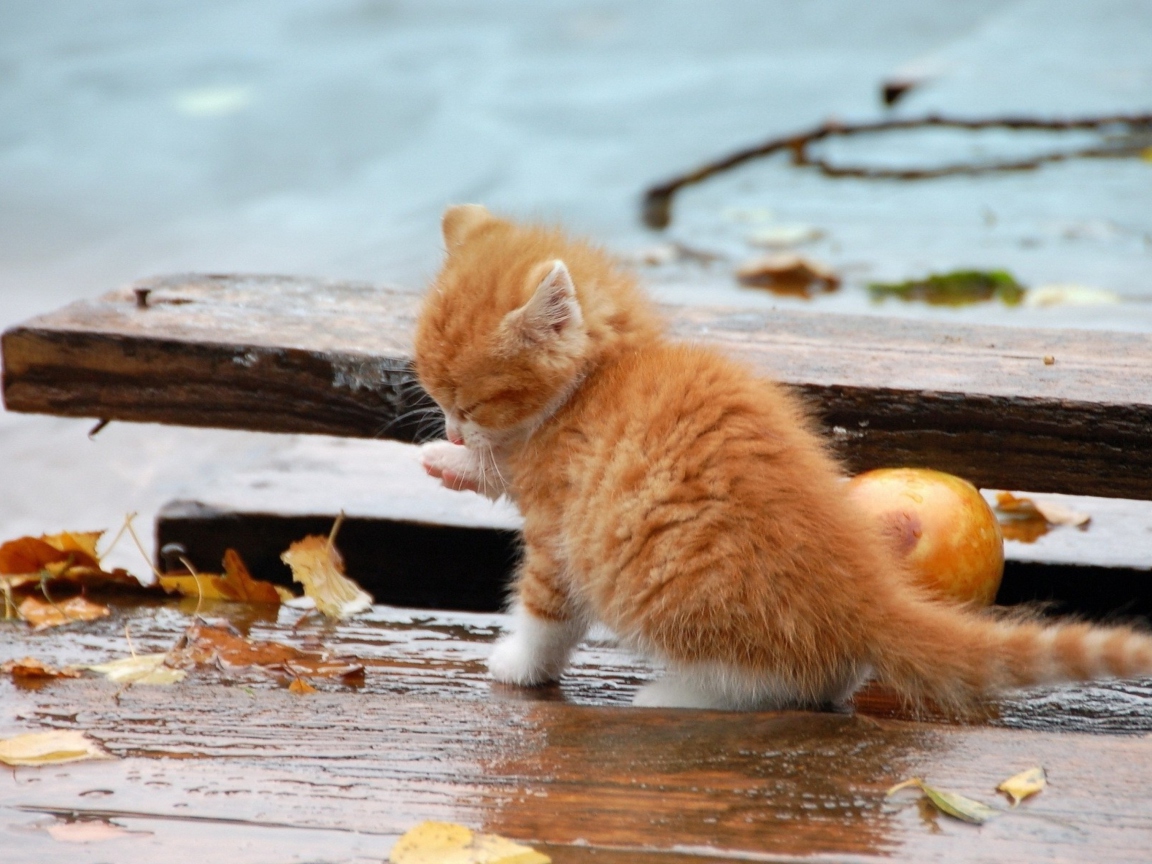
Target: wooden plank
x=296 y=355
x=242 y=761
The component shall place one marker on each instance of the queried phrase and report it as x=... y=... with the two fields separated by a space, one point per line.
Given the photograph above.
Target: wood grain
x=285 y=354
x=266 y=775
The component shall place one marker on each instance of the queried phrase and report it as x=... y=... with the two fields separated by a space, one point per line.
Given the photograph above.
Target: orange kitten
x=685 y=503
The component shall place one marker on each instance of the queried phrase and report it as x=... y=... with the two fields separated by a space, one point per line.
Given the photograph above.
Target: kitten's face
x=501 y=337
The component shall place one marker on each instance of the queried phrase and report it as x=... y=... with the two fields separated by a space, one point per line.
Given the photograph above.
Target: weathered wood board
x=228 y=767
x=296 y=355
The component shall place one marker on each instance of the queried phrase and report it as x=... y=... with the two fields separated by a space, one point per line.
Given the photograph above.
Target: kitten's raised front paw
x=453 y=464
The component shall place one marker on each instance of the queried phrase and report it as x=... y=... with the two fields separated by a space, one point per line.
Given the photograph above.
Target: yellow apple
x=940 y=525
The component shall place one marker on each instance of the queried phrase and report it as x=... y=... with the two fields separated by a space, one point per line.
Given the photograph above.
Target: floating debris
x=788 y=275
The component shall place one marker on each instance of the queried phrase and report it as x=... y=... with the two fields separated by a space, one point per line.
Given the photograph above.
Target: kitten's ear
x=460 y=220
x=554 y=308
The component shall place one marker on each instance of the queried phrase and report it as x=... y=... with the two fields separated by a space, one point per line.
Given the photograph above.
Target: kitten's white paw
x=674 y=691
x=440 y=456
x=535 y=652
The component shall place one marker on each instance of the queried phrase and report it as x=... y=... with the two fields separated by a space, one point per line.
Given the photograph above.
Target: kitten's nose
x=452 y=432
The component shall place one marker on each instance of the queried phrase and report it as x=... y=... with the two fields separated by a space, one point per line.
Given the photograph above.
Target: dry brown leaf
x=788 y=274
x=1025 y=784
x=316 y=564
x=448 y=843
x=49 y=748
x=300 y=687
x=236 y=584
x=31 y=555
x=204 y=645
x=42 y=615
x=30 y=667
x=66 y=557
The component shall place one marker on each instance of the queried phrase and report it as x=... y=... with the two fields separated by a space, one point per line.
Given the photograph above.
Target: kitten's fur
x=686 y=504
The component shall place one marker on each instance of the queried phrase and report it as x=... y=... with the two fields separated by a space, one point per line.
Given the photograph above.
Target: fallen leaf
x=958 y=288
x=49 y=748
x=90 y=831
x=204 y=645
x=30 y=667
x=31 y=555
x=42 y=615
x=447 y=843
x=1051 y=512
x=236 y=584
x=316 y=564
x=69 y=557
x=300 y=686
x=1146 y=154
x=950 y=803
x=140 y=669
x=789 y=275
x=1022 y=785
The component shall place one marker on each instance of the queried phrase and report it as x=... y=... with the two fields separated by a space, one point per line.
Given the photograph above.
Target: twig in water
x=657 y=205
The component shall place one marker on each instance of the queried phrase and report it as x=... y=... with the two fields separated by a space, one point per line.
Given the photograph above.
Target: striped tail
x=954 y=656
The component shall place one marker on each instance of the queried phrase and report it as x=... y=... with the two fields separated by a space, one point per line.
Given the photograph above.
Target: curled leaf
x=317 y=564
x=448 y=843
x=1025 y=784
x=950 y=803
x=49 y=748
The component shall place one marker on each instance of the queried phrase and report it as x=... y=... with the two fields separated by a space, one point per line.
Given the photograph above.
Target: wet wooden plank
x=297 y=355
x=337 y=775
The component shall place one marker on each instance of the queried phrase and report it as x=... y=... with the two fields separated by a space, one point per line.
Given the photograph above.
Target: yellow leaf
x=42 y=615
x=951 y=803
x=140 y=669
x=236 y=584
x=1146 y=154
x=300 y=687
x=75 y=541
x=45 y=748
x=318 y=566
x=447 y=843
x=1022 y=785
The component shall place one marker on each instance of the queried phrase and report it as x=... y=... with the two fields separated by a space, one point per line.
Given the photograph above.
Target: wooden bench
x=568 y=768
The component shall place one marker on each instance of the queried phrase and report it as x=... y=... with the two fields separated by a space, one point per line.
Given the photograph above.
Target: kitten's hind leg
x=715 y=686
x=536 y=650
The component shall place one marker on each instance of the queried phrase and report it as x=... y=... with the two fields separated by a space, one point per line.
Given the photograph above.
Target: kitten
x=685 y=503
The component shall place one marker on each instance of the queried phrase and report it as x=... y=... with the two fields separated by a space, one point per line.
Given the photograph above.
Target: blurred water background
x=291 y=136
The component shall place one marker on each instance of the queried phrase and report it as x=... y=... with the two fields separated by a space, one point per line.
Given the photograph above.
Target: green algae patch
x=958 y=288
